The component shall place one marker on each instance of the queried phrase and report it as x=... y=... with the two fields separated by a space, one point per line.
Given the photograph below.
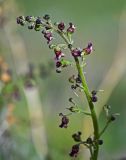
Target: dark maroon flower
x=94 y=98
x=48 y=36
x=64 y=121
x=76 y=52
x=88 y=49
x=58 y=64
x=77 y=137
x=58 y=54
x=71 y=28
x=74 y=151
x=61 y=26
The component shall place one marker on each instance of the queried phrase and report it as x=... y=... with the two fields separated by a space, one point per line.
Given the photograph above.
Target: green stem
x=91 y=106
x=87 y=93
x=103 y=130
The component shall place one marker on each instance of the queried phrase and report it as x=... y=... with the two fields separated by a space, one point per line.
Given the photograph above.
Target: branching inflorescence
x=78 y=81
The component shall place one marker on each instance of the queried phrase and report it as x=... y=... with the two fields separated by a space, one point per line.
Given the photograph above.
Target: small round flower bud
x=28 y=18
x=38 y=21
x=77 y=137
x=69 y=46
x=89 y=140
x=112 y=118
x=58 y=64
x=60 y=114
x=61 y=26
x=70 y=99
x=46 y=17
x=100 y=141
x=94 y=99
x=73 y=87
x=94 y=92
x=31 y=26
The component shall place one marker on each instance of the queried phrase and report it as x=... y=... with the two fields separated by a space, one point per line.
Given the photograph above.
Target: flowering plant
x=78 y=82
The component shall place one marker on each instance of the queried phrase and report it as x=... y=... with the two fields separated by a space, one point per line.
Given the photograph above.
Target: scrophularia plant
x=77 y=82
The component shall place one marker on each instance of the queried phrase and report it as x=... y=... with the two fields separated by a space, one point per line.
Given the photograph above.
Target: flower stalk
x=88 y=96
x=36 y=23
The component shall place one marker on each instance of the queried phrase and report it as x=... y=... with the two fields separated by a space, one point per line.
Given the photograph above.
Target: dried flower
x=64 y=121
x=74 y=151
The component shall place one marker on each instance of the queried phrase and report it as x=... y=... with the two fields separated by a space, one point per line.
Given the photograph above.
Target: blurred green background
x=103 y=22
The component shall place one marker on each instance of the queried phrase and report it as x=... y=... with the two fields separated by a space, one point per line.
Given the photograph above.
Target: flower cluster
x=45 y=25
x=77 y=81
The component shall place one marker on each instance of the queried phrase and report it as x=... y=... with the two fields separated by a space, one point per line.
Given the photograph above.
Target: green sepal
x=65 y=63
